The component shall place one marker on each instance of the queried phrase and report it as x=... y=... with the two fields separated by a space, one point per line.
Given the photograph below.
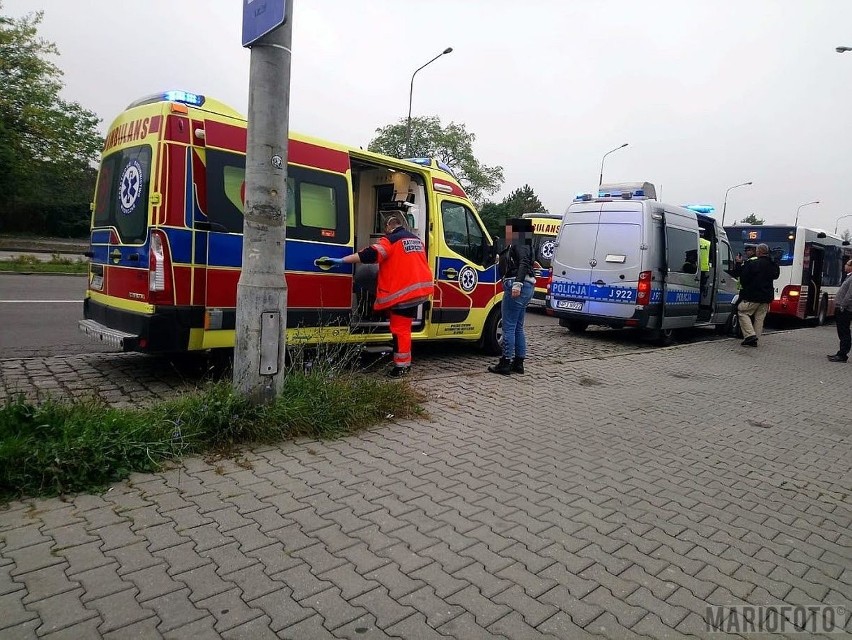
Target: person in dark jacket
x=516 y=268
x=843 y=315
x=758 y=290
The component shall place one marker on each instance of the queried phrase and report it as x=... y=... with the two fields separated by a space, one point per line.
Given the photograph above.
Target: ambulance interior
x=378 y=192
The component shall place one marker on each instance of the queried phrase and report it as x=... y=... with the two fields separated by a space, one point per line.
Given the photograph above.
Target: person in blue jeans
x=516 y=268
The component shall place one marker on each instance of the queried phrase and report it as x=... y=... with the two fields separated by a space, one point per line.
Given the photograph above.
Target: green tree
x=752 y=219
x=47 y=144
x=451 y=144
x=517 y=203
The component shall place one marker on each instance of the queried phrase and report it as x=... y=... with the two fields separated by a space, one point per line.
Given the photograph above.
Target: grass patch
x=57 y=447
x=26 y=263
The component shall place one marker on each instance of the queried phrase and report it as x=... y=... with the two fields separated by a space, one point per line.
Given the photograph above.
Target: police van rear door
x=571 y=274
x=617 y=259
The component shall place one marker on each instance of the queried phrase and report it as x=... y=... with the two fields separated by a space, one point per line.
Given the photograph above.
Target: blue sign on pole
x=260 y=17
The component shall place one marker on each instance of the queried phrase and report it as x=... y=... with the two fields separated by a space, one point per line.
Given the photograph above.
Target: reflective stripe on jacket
x=405 y=278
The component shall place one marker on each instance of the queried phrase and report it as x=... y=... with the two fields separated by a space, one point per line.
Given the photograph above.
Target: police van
x=623 y=259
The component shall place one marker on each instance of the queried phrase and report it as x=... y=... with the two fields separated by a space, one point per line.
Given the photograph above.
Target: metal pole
x=261 y=321
x=849 y=215
x=725 y=205
x=600 y=181
x=411 y=95
x=796 y=223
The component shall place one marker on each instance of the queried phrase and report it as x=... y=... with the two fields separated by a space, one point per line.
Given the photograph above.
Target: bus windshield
x=780 y=240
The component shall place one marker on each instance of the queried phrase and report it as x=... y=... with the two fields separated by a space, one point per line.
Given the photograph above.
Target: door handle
x=133 y=256
x=450 y=273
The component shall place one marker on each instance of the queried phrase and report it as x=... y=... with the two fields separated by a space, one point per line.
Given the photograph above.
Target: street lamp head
x=748 y=183
x=842 y=49
x=622 y=146
x=448 y=50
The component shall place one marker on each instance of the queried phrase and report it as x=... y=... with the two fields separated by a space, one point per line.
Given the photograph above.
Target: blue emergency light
x=185 y=97
x=583 y=197
x=700 y=208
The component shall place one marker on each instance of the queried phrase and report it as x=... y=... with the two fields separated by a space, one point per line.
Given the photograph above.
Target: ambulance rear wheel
x=492 y=333
x=576 y=326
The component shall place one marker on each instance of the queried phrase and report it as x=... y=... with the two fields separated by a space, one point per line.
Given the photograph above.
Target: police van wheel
x=732 y=327
x=663 y=337
x=492 y=333
x=576 y=326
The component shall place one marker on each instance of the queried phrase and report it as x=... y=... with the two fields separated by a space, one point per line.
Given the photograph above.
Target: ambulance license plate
x=569 y=305
x=97 y=283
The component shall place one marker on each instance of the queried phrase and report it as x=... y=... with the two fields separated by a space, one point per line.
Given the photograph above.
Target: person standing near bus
x=516 y=269
x=405 y=282
x=758 y=290
x=843 y=315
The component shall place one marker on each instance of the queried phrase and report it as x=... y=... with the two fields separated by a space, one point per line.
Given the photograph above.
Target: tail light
x=790 y=294
x=159 y=270
x=643 y=295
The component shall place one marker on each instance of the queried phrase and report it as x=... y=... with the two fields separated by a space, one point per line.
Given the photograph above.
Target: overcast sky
x=708 y=93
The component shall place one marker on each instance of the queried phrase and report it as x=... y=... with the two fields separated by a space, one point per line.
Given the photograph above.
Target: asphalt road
x=39 y=316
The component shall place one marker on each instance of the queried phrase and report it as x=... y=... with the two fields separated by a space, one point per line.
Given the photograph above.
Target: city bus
x=166 y=236
x=811 y=265
x=545 y=230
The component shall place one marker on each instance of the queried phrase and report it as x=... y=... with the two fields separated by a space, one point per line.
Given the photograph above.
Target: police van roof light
x=700 y=208
x=583 y=197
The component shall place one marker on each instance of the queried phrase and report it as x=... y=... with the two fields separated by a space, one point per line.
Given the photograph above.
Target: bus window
x=122 y=193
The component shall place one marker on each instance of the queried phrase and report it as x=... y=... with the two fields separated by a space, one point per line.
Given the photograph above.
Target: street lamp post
x=842 y=49
x=848 y=215
x=411 y=94
x=600 y=182
x=725 y=205
x=796 y=224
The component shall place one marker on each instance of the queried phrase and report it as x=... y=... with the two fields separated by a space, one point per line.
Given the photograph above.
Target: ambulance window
x=121 y=200
x=462 y=232
x=318 y=206
x=317 y=203
x=682 y=250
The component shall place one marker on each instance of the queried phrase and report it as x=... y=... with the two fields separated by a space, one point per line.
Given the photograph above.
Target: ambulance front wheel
x=492 y=333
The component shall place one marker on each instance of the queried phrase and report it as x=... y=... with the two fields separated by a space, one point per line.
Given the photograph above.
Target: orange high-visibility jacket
x=405 y=279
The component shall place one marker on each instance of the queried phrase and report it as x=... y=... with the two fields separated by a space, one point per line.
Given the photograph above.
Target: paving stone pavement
x=604 y=494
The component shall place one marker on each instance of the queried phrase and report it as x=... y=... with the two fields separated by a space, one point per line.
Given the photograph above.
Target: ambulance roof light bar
x=183 y=97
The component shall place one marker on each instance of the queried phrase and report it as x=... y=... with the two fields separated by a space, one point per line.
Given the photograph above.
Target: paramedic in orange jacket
x=405 y=281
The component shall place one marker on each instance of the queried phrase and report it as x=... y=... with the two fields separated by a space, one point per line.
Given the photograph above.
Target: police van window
x=462 y=232
x=726 y=256
x=121 y=199
x=317 y=202
x=682 y=250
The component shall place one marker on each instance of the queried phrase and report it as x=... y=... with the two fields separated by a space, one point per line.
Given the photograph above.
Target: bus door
x=681 y=291
x=813 y=276
x=465 y=274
